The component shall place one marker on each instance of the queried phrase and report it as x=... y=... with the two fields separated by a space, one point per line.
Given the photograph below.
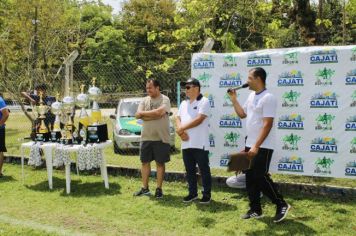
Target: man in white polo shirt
x=192 y=127
x=259 y=110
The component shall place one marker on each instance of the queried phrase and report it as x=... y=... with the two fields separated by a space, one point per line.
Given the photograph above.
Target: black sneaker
x=281 y=212
x=252 y=214
x=205 y=200
x=158 y=193
x=190 y=198
x=143 y=191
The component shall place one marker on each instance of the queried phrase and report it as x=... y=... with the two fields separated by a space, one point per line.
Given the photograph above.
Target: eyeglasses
x=188 y=87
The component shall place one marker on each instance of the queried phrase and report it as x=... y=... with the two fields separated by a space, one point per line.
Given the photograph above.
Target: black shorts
x=2 y=140
x=155 y=150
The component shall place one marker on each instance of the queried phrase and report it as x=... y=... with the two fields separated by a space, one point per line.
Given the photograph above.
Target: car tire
x=117 y=150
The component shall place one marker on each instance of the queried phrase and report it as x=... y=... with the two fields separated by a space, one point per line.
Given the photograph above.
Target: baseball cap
x=192 y=81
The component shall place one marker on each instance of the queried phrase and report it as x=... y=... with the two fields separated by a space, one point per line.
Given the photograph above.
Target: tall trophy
x=82 y=101
x=67 y=108
x=56 y=108
x=94 y=94
x=42 y=132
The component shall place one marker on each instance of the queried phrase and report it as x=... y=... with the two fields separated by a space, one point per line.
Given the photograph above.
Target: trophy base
x=56 y=136
x=42 y=137
x=97 y=133
x=67 y=141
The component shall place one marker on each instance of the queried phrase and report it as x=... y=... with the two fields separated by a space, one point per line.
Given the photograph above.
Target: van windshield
x=128 y=109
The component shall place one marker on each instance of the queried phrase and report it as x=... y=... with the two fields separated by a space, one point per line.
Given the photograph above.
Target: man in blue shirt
x=4 y=114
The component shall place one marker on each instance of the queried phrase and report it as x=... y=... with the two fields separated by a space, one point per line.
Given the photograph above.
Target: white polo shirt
x=258 y=107
x=199 y=135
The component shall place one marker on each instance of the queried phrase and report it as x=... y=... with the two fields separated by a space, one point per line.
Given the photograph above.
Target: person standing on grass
x=4 y=114
x=154 y=111
x=260 y=110
x=192 y=127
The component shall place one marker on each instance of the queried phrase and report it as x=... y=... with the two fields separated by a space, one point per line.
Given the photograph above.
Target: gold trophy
x=82 y=101
x=67 y=108
x=56 y=108
x=42 y=132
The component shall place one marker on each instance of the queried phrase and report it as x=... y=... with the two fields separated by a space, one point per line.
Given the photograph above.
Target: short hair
x=259 y=72
x=41 y=87
x=155 y=82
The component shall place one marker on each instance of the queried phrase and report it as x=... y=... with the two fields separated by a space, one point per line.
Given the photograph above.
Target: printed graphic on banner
x=293 y=121
x=324 y=100
x=353 y=56
x=261 y=60
x=210 y=98
x=323 y=76
x=323 y=56
x=323 y=121
x=350 y=124
x=211 y=140
x=231 y=139
x=291 y=142
x=291 y=164
x=230 y=121
x=203 y=62
x=230 y=80
x=227 y=100
x=290 y=58
x=351 y=77
x=324 y=145
x=353 y=145
x=290 y=99
x=323 y=165
x=350 y=169
x=204 y=79
x=224 y=159
x=230 y=61
x=291 y=78
x=353 y=98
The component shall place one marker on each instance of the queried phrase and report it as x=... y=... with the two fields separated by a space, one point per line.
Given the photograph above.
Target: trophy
x=42 y=132
x=56 y=108
x=82 y=101
x=67 y=108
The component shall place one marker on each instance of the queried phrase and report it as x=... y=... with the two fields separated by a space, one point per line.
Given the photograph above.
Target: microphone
x=237 y=88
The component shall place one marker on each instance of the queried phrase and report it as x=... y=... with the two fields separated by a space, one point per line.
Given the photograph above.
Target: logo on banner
x=227 y=101
x=353 y=145
x=210 y=98
x=353 y=97
x=230 y=80
x=231 y=139
x=293 y=121
x=351 y=77
x=323 y=165
x=230 y=121
x=290 y=58
x=262 y=60
x=323 y=76
x=203 y=62
x=353 y=56
x=291 y=142
x=290 y=99
x=230 y=61
x=323 y=144
x=211 y=140
x=323 y=56
x=224 y=159
x=292 y=78
x=350 y=124
x=324 y=100
x=204 y=79
x=323 y=122
x=291 y=164
x=350 y=169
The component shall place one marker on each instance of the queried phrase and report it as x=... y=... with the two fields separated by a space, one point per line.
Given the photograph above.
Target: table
x=48 y=150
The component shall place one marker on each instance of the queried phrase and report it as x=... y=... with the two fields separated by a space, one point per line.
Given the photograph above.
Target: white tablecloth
x=48 y=149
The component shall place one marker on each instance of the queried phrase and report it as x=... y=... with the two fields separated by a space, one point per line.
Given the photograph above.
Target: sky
x=116 y=4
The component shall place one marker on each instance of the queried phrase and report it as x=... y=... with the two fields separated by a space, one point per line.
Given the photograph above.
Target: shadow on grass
x=6 y=178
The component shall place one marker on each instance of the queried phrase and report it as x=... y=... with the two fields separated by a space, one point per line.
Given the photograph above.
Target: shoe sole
x=193 y=199
x=144 y=194
x=255 y=217
x=285 y=215
x=205 y=203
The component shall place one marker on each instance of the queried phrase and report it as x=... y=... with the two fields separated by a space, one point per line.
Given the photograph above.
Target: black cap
x=192 y=81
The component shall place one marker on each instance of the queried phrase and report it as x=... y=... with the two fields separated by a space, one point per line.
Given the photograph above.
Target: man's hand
x=232 y=95
x=179 y=131
x=252 y=152
x=138 y=115
x=184 y=136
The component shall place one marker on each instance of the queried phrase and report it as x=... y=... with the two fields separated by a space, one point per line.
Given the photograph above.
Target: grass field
x=33 y=209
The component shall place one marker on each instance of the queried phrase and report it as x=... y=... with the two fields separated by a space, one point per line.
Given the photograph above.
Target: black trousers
x=192 y=157
x=258 y=180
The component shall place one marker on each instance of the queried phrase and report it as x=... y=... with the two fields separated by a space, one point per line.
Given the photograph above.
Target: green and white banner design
x=316 y=116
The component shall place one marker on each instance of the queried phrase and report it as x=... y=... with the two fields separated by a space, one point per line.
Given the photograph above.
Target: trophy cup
x=82 y=101
x=67 y=108
x=56 y=108
x=42 y=132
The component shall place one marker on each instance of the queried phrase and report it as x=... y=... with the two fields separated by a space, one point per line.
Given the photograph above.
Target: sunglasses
x=188 y=87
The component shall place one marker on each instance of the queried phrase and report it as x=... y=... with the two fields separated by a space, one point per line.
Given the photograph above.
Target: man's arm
x=5 y=115
x=237 y=107
x=152 y=114
x=27 y=96
x=183 y=135
x=193 y=123
x=266 y=128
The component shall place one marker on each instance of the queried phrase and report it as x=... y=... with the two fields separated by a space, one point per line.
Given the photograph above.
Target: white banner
x=316 y=116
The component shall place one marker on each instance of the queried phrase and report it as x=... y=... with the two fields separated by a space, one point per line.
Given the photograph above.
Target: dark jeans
x=258 y=180
x=192 y=157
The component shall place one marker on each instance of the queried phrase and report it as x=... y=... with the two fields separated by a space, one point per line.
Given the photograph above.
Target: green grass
x=33 y=209
x=19 y=127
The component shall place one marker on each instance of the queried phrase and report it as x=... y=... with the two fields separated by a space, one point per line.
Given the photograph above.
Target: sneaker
x=158 y=193
x=205 y=200
x=281 y=212
x=252 y=214
x=190 y=198
x=143 y=191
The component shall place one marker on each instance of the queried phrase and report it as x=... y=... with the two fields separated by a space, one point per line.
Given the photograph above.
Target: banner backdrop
x=316 y=117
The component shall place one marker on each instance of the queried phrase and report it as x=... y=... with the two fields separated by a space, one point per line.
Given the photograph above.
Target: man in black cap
x=192 y=127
